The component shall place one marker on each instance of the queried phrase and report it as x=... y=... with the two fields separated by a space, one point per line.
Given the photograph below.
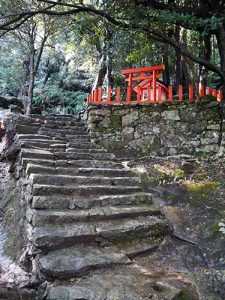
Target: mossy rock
x=115 y=122
x=203 y=187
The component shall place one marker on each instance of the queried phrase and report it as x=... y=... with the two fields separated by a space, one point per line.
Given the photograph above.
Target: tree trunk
x=102 y=68
x=220 y=36
x=178 y=78
x=207 y=56
x=165 y=61
x=31 y=74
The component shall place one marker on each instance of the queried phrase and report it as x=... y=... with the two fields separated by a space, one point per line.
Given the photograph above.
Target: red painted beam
x=143 y=70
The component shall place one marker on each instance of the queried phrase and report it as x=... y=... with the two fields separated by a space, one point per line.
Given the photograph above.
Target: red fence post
x=170 y=93
x=96 y=96
x=109 y=95
x=219 y=95
x=129 y=89
x=138 y=94
x=92 y=97
x=100 y=95
x=214 y=92
x=149 y=94
x=207 y=91
x=180 y=92
x=118 y=94
x=160 y=93
x=201 y=90
x=191 y=92
x=154 y=85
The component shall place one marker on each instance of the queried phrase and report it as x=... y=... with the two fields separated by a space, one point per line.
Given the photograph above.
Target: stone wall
x=157 y=129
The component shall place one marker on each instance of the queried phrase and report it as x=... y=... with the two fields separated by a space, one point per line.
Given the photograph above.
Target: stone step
x=72 y=163
x=57 y=217
x=48 y=144
x=124 y=283
x=43 y=145
x=69 y=262
x=38 y=169
x=87 y=145
x=33 y=137
x=68 y=180
x=66 y=139
x=83 y=190
x=58 y=119
x=27 y=129
x=83 y=149
x=65 y=135
x=69 y=130
x=84 y=155
x=53 y=132
x=62 y=202
x=46 y=154
x=37 y=153
x=53 y=236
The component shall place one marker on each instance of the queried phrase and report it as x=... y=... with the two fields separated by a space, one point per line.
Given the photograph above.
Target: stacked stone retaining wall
x=157 y=129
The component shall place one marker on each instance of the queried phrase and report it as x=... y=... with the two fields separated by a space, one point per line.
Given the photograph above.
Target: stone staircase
x=87 y=216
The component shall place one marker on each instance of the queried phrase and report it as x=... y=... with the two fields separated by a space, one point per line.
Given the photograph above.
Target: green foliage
x=52 y=97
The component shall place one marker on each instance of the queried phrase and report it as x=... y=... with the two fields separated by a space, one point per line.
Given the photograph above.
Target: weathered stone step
x=53 y=217
x=33 y=137
x=38 y=169
x=49 y=145
x=62 y=133
x=127 y=283
x=83 y=190
x=68 y=180
x=27 y=129
x=87 y=145
x=46 y=154
x=69 y=130
x=37 y=153
x=62 y=118
x=66 y=138
x=72 y=163
x=69 y=262
x=62 y=202
x=84 y=155
x=53 y=236
x=69 y=136
x=85 y=150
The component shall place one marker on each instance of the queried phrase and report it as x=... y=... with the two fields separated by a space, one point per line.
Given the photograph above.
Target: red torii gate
x=147 y=78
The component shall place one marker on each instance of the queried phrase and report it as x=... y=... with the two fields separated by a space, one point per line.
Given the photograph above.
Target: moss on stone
x=115 y=122
x=179 y=173
x=203 y=187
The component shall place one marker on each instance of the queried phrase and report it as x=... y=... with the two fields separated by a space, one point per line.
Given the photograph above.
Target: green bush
x=53 y=98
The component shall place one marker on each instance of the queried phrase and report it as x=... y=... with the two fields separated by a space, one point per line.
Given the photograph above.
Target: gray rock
x=66 y=263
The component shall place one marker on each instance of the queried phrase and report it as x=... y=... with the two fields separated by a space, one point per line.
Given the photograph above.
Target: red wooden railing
x=116 y=98
x=143 y=88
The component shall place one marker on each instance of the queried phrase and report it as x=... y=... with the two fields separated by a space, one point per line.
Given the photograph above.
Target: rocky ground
x=190 y=191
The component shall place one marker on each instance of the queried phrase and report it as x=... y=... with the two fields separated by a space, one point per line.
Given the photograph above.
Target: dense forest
x=52 y=53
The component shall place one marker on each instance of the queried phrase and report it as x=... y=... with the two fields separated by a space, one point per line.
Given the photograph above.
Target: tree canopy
x=56 y=40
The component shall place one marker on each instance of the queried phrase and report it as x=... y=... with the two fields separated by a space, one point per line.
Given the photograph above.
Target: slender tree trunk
x=110 y=79
x=102 y=68
x=178 y=77
x=220 y=36
x=31 y=80
x=207 y=56
x=165 y=61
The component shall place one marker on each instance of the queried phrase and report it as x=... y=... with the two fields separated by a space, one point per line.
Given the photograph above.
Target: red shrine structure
x=144 y=86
